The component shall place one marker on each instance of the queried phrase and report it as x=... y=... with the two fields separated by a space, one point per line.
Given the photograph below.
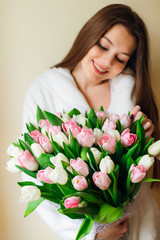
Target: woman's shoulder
x=124 y=80
x=53 y=79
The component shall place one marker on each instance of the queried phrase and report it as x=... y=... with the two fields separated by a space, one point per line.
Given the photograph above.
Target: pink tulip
x=42 y=175
x=101 y=115
x=107 y=142
x=108 y=124
x=125 y=121
x=44 y=123
x=80 y=166
x=45 y=144
x=101 y=180
x=114 y=117
x=28 y=161
x=72 y=202
x=54 y=130
x=35 y=135
x=138 y=173
x=79 y=183
x=72 y=125
x=86 y=137
x=127 y=138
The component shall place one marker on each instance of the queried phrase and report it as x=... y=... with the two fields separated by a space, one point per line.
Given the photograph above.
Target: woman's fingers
x=136 y=114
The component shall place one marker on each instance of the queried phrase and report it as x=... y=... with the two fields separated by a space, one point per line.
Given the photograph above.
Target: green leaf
x=30 y=127
x=85 y=228
x=92 y=117
x=101 y=108
x=28 y=139
x=119 y=150
x=128 y=182
x=44 y=160
x=24 y=146
x=56 y=147
x=32 y=206
x=108 y=214
x=83 y=154
x=74 y=111
x=53 y=119
x=114 y=188
x=65 y=189
x=82 y=210
x=68 y=153
x=40 y=114
x=28 y=172
x=150 y=180
x=74 y=145
x=86 y=196
x=92 y=161
x=144 y=151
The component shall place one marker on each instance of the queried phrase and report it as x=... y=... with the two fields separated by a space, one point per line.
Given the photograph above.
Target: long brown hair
x=139 y=62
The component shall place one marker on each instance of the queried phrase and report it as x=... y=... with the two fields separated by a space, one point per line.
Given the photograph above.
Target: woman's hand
x=136 y=114
x=115 y=232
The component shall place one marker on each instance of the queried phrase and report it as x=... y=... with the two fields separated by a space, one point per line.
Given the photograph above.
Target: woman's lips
x=98 y=69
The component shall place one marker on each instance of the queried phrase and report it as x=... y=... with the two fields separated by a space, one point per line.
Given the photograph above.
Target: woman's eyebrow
x=127 y=54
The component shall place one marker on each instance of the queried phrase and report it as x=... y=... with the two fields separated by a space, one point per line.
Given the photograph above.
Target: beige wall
x=35 y=34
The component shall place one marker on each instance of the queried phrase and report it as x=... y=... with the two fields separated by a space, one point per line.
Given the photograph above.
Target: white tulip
x=65 y=117
x=44 y=130
x=11 y=165
x=29 y=193
x=60 y=138
x=14 y=151
x=106 y=165
x=97 y=133
x=147 y=161
x=58 y=175
x=56 y=161
x=80 y=119
x=37 y=149
x=96 y=154
x=154 y=149
x=114 y=133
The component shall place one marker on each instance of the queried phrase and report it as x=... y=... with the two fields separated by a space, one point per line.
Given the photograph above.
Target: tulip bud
x=28 y=161
x=72 y=202
x=101 y=180
x=146 y=161
x=125 y=121
x=115 y=134
x=79 y=183
x=60 y=138
x=154 y=149
x=11 y=165
x=138 y=173
x=37 y=150
x=58 y=175
x=29 y=193
x=106 y=165
x=80 y=166
x=80 y=119
x=14 y=151
x=96 y=154
x=56 y=161
x=97 y=133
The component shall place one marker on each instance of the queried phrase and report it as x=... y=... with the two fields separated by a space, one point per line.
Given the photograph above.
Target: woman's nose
x=108 y=60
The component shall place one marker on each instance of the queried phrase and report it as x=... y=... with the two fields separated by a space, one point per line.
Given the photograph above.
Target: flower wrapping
x=92 y=165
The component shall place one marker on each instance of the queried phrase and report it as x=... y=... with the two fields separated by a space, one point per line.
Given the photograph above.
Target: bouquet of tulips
x=92 y=165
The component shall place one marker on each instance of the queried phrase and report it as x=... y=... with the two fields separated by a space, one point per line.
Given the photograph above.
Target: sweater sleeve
x=63 y=226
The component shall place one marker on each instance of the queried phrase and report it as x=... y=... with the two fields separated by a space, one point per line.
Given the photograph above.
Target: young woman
x=107 y=65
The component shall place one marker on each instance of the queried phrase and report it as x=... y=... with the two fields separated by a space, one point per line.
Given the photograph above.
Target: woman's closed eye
x=102 y=47
x=119 y=60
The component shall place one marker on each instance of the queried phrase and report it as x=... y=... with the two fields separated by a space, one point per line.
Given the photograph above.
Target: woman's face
x=109 y=57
